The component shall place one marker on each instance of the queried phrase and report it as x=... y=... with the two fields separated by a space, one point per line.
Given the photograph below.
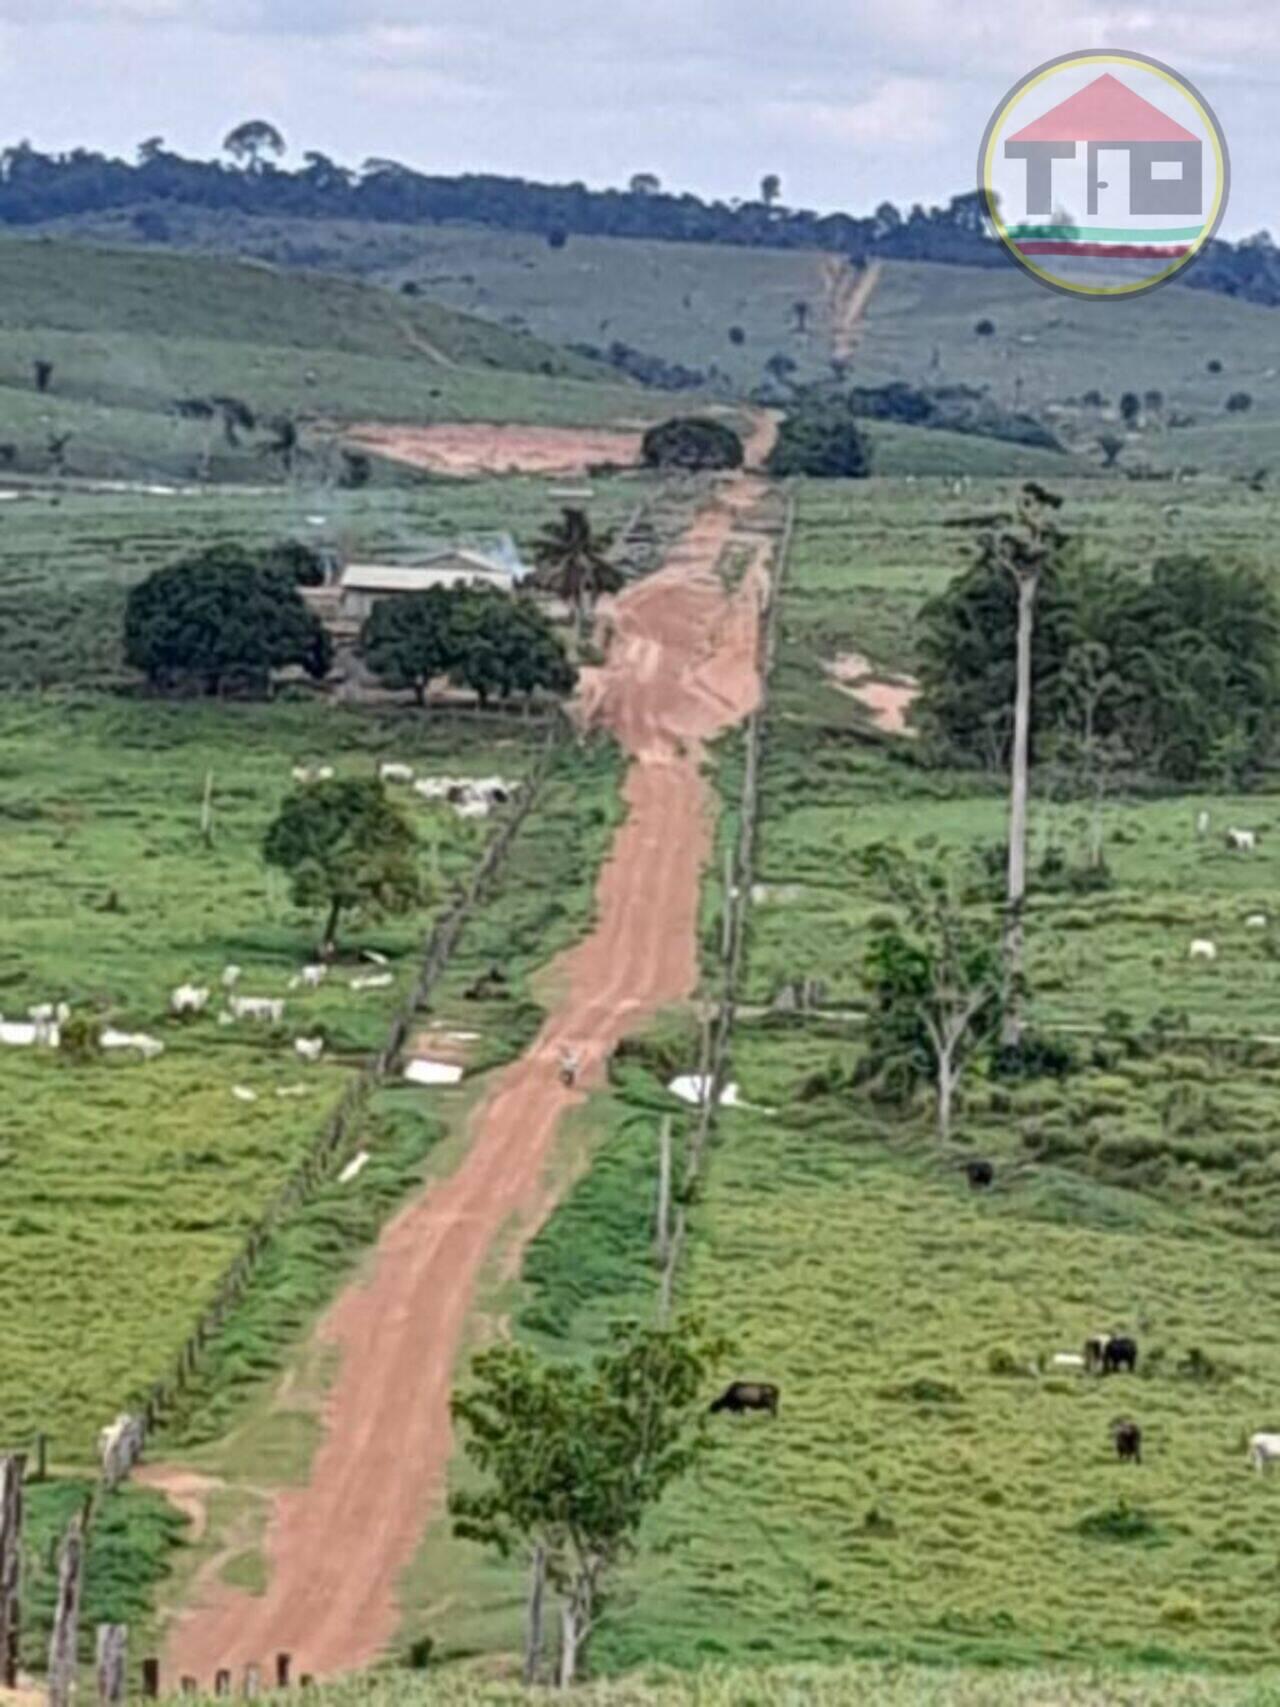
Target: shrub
x=692 y=442
x=1119 y=1522
x=1035 y=1056
x=821 y=439
x=985 y=328
x=1213 y=365
x=1239 y=402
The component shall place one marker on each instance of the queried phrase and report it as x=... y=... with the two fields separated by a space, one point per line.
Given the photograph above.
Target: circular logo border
x=1105 y=56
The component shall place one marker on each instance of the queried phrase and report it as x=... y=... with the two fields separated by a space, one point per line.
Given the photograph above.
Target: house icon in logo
x=1164 y=160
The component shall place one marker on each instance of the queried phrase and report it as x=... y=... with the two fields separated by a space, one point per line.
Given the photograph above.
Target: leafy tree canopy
x=221 y=616
x=1190 y=653
x=820 y=437
x=692 y=442
x=347 y=849
x=481 y=639
x=572 y=1456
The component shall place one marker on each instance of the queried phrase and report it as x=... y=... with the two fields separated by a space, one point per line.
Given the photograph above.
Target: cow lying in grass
x=741 y=1396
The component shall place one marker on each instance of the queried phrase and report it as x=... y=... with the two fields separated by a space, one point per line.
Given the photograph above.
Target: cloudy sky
x=850 y=101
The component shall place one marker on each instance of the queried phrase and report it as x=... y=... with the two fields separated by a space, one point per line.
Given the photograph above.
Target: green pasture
x=128 y=1186
x=129 y=334
x=849 y=1685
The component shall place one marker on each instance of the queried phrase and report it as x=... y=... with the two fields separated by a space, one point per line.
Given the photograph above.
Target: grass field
x=866 y=1685
x=922 y=1497
x=118 y=1173
x=128 y=334
x=679 y=301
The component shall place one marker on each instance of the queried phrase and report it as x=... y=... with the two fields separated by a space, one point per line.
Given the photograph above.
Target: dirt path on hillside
x=681 y=668
x=847 y=291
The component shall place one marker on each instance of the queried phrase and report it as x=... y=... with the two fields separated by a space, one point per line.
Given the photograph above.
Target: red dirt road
x=681 y=668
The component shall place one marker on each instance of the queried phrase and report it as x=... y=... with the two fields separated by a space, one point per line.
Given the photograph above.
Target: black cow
x=741 y=1396
x=1119 y=1353
x=1128 y=1440
x=979 y=1173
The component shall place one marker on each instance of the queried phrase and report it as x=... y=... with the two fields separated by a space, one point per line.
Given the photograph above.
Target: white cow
x=1264 y=1449
x=188 y=999
x=1203 y=949
x=373 y=957
x=1202 y=824
x=309 y=1048
x=311 y=977
x=391 y=771
x=147 y=1047
x=1242 y=841
x=354 y=1168
x=1256 y=922
x=1072 y=1360
x=373 y=981
x=230 y=977
x=242 y=1093
x=269 y=1008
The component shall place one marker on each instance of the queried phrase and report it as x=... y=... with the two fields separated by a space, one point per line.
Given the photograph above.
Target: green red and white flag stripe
x=1111 y=242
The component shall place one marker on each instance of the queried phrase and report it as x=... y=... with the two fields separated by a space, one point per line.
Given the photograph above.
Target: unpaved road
x=681 y=668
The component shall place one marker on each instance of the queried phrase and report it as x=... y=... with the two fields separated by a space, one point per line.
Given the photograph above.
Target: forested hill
x=36 y=187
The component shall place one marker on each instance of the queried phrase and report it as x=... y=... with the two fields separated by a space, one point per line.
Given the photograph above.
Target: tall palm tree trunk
x=1011 y=1031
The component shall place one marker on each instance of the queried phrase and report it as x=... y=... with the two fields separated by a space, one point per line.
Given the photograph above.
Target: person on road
x=568 y=1065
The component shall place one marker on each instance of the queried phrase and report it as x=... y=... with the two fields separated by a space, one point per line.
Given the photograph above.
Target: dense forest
x=36 y=187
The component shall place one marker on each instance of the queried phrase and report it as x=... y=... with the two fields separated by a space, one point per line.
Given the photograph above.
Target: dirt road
x=681 y=668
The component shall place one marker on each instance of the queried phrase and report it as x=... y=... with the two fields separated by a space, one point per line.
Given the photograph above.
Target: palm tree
x=1025 y=554
x=573 y=563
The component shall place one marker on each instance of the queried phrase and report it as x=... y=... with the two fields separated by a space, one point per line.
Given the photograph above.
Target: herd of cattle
x=1103 y=1354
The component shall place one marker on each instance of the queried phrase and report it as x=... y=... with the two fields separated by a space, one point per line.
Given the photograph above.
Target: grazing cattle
x=373 y=981
x=979 y=1173
x=1256 y=922
x=230 y=977
x=310 y=1048
x=147 y=1047
x=1264 y=1449
x=354 y=1168
x=1242 y=841
x=1107 y=1354
x=242 y=1093
x=188 y=999
x=373 y=957
x=1128 y=1441
x=1068 y=1360
x=311 y=977
x=291 y=1090
x=270 y=1008
x=120 y=1446
x=1202 y=824
x=1203 y=949
x=1121 y=1352
x=741 y=1396
x=392 y=772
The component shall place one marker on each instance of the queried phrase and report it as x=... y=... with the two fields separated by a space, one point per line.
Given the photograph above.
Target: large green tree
x=572 y=1456
x=408 y=640
x=347 y=850
x=821 y=438
x=503 y=646
x=219 y=617
x=573 y=562
x=692 y=442
x=249 y=143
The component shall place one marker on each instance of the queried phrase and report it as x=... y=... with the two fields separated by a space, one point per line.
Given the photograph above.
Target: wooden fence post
x=669 y=1272
x=664 y=1190
x=726 y=917
x=206 y=811
x=12 y=1470
x=66 y=1620
x=112 y=1647
x=42 y=1458
x=151 y=1678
